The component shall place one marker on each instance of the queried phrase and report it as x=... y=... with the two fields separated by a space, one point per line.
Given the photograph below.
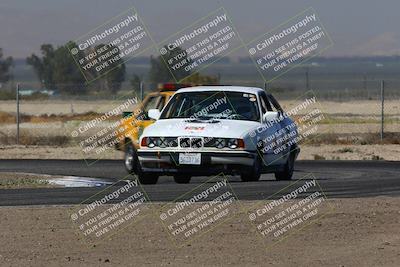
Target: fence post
x=307 y=80
x=17 y=95
x=141 y=91
x=382 y=106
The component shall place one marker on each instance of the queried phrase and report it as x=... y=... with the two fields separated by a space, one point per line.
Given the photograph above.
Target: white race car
x=208 y=130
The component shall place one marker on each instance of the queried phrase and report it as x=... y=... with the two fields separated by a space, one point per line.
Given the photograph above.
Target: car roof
x=242 y=89
x=161 y=93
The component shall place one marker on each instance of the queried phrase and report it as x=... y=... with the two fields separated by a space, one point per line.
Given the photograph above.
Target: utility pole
x=307 y=80
x=141 y=91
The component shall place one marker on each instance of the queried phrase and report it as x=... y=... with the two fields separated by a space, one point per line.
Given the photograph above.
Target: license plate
x=190 y=158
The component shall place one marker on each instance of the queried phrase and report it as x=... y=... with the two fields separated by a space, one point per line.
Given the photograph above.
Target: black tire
x=287 y=172
x=253 y=173
x=131 y=159
x=132 y=166
x=182 y=179
x=147 y=178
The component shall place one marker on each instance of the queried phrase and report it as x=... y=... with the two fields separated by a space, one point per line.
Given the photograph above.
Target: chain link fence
x=357 y=111
x=353 y=107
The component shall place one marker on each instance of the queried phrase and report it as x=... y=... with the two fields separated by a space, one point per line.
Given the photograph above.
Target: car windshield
x=212 y=105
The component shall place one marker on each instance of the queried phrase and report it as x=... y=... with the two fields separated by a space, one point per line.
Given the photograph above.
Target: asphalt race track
x=336 y=178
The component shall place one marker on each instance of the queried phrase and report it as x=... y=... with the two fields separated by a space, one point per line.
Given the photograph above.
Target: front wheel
x=131 y=159
x=287 y=172
x=253 y=173
x=147 y=178
x=132 y=166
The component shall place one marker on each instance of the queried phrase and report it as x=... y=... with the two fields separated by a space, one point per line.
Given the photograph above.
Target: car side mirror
x=270 y=116
x=154 y=114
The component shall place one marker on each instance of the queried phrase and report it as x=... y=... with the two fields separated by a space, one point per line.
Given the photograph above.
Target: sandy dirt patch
x=351 y=152
x=52 y=152
x=358 y=232
x=360 y=107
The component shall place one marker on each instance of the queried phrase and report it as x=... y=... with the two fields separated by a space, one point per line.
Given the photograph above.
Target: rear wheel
x=182 y=179
x=287 y=172
x=253 y=173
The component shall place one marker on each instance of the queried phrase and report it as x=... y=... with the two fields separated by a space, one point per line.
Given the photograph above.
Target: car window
x=213 y=105
x=151 y=103
x=274 y=104
x=161 y=103
x=265 y=104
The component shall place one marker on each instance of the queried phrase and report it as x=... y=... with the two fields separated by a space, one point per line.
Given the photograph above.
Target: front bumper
x=167 y=162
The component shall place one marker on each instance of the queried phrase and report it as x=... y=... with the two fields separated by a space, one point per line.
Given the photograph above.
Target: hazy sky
x=358 y=27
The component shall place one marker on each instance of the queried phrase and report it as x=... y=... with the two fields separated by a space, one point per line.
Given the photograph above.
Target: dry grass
x=6 y=117
x=22 y=180
x=28 y=139
x=319 y=157
x=44 y=118
x=346 y=150
x=21 y=183
x=348 y=137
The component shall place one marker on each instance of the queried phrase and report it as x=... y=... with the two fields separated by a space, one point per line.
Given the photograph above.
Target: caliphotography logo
x=199 y=211
x=110 y=211
x=105 y=131
x=289 y=210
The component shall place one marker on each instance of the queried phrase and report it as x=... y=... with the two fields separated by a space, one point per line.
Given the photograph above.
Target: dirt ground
x=308 y=152
x=350 y=152
x=358 y=232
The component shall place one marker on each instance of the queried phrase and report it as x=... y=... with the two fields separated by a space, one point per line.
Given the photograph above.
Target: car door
x=286 y=126
x=269 y=134
x=136 y=124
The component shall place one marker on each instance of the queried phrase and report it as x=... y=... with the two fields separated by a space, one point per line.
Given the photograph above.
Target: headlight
x=219 y=143
x=162 y=142
x=235 y=143
x=232 y=143
x=151 y=142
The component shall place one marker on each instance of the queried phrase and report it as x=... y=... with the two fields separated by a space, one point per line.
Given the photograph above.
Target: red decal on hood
x=194 y=128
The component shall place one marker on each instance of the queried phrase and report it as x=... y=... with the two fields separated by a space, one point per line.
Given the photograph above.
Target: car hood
x=218 y=128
